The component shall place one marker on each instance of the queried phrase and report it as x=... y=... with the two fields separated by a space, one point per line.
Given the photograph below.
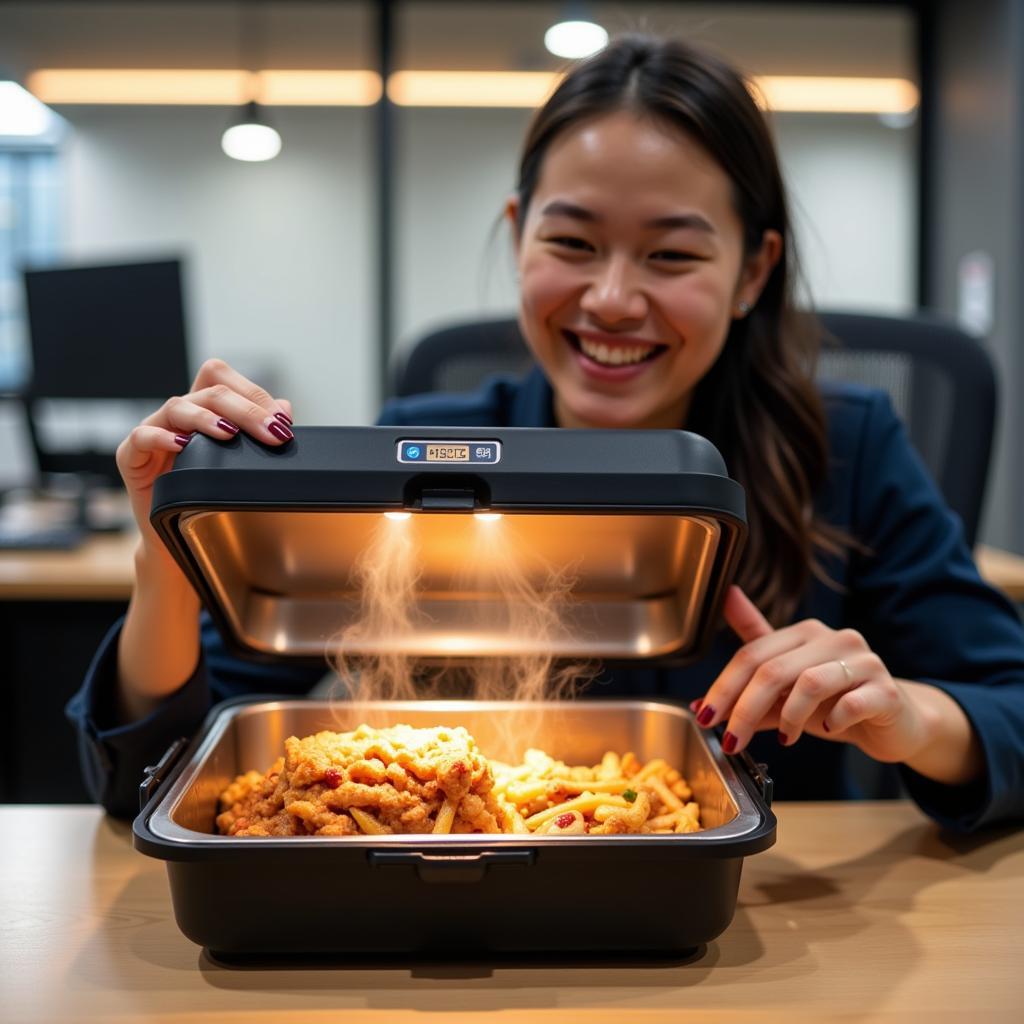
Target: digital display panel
x=434 y=451
x=447 y=453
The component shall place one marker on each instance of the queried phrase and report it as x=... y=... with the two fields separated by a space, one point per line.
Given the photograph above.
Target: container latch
x=154 y=774
x=447 y=499
x=450 y=868
x=758 y=772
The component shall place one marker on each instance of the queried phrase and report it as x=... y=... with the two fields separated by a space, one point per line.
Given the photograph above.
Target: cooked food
x=406 y=780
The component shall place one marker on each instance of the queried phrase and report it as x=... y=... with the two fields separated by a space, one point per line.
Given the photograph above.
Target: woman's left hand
x=808 y=678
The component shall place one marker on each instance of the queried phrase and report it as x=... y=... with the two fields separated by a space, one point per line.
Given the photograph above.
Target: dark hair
x=758 y=403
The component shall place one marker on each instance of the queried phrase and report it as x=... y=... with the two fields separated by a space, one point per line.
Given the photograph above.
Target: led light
x=471 y=88
x=319 y=88
x=397 y=517
x=181 y=87
x=575 y=39
x=455 y=644
x=252 y=140
x=487 y=517
x=835 y=95
x=205 y=87
x=21 y=113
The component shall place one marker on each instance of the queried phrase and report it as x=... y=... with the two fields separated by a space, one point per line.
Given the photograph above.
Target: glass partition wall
x=853 y=176
x=291 y=261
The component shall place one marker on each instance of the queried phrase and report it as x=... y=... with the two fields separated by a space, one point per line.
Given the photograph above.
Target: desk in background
x=101 y=570
x=862 y=911
x=57 y=605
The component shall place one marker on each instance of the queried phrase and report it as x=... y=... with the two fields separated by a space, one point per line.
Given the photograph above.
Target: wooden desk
x=102 y=570
x=863 y=911
x=1002 y=569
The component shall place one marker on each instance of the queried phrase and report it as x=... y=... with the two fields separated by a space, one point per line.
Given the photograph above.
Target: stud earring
x=744 y=307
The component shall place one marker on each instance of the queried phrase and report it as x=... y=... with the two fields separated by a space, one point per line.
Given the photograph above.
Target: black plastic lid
x=647 y=526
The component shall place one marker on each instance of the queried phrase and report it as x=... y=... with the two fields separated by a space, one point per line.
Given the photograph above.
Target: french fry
x=367 y=822
x=445 y=818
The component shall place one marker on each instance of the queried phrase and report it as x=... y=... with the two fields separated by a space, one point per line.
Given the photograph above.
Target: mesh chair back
x=460 y=357
x=942 y=384
x=940 y=380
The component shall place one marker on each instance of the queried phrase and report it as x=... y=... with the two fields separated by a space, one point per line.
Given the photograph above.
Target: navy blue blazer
x=917 y=598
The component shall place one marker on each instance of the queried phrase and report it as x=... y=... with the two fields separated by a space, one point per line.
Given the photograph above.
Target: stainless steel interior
x=288 y=580
x=251 y=736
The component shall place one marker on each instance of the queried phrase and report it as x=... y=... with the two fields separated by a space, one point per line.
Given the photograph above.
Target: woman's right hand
x=221 y=403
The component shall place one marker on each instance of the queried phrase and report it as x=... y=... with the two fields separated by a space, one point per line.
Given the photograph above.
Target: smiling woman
x=656 y=265
x=632 y=253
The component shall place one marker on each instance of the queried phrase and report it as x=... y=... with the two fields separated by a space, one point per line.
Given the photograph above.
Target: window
x=29 y=236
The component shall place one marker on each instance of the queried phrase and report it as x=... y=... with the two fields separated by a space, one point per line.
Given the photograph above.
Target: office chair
x=940 y=380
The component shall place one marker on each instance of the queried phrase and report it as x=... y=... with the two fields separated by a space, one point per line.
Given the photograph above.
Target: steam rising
x=500 y=604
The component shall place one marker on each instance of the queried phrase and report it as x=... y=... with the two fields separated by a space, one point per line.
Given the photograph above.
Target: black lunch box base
x=455 y=898
x=656 y=912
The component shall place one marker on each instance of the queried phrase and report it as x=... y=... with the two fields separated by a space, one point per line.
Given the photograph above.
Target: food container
x=649 y=526
x=456 y=895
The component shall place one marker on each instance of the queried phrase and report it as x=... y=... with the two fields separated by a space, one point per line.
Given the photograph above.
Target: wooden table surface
x=862 y=911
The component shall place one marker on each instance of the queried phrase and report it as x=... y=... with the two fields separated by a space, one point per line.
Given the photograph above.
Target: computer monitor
x=97 y=333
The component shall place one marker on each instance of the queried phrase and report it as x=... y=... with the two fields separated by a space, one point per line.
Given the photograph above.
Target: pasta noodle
x=406 y=780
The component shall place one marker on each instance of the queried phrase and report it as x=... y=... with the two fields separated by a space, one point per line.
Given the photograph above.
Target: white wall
x=853 y=186
x=852 y=181
x=281 y=255
x=280 y=265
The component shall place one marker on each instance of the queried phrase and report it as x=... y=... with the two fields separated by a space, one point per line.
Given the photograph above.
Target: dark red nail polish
x=783 y=738
x=228 y=426
x=280 y=431
x=824 y=726
x=182 y=439
x=284 y=418
x=706 y=714
x=729 y=742
x=695 y=706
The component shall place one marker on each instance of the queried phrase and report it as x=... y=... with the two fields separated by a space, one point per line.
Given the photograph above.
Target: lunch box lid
x=631 y=537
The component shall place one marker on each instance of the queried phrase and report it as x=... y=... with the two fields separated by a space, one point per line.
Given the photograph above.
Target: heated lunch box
x=648 y=525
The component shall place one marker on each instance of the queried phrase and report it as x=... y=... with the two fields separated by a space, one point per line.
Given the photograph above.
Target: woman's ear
x=756 y=271
x=512 y=216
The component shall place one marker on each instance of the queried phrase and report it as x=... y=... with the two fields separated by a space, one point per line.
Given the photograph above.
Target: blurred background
x=378 y=218
x=357 y=206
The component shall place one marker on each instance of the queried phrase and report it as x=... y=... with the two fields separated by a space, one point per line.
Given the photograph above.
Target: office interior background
x=313 y=271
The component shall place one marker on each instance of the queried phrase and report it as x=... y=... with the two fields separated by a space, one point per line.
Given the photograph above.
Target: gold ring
x=846 y=669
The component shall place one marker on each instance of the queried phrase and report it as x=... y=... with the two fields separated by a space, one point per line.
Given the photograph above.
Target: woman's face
x=631 y=270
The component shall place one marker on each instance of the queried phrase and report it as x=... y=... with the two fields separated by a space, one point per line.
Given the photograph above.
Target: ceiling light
x=836 y=95
x=181 y=87
x=575 y=39
x=252 y=139
x=21 y=114
x=184 y=87
x=471 y=88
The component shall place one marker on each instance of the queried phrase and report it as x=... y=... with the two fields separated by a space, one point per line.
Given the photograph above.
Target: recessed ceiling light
x=575 y=39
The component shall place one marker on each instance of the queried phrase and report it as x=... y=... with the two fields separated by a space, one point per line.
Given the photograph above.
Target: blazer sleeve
x=114 y=755
x=919 y=600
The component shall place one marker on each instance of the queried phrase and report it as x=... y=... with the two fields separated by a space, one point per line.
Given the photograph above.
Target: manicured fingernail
x=706 y=714
x=227 y=426
x=729 y=742
x=783 y=738
x=279 y=430
x=695 y=706
x=824 y=726
x=182 y=439
x=284 y=418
